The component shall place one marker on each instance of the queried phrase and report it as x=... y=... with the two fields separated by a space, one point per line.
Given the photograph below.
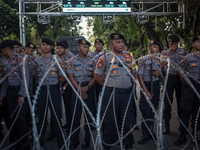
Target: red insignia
x=100 y=64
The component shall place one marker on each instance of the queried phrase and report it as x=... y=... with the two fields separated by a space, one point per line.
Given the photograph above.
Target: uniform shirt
x=83 y=70
x=175 y=57
x=40 y=67
x=16 y=77
x=145 y=69
x=2 y=67
x=96 y=55
x=118 y=77
x=65 y=62
x=191 y=64
x=69 y=54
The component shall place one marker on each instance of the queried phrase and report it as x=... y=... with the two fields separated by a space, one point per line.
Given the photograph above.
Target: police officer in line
x=134 y=109
x=189 y=101
x=148 y=77
x=17 y=46
x=39 y=50
x=40 y=67
x=80 y=72
x=173 y=83
x=66 y=89
x=121 y=81
x=68 y=53
x=13 y=87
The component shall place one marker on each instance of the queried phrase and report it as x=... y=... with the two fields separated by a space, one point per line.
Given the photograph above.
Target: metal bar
x=152 y=2
x=154 y=7
x=23 y=26
x=20 y=21
x=184 y=15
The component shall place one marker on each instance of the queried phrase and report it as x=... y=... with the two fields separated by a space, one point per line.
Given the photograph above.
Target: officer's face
x=17 y=49
x=29 y=51
x=173 y=44
x=4 y=52
x=46 y=48
x=154 y=49
x=39 y=51
x=60 y=50
x=196 y=45
x=125 y=47
x=83 y=49
x=98 y=46
x=117 y=45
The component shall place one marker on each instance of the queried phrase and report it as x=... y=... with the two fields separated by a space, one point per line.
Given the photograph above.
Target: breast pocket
x=54 y=72
x=90 y=70
x=115 y=72
x=193 y=67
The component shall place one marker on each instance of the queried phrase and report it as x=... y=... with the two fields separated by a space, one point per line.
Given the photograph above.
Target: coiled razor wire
x=97 y=121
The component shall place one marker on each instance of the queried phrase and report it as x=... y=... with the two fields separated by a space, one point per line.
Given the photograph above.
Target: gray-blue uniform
x=69 y=54
x=121 y=80
x=145 y=109
x=83 y=71
x=40 y=67
x=173 y=83
x=13 y=87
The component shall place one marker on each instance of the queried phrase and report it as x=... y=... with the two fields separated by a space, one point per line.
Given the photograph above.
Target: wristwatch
x=64 y=88
x=89 y=87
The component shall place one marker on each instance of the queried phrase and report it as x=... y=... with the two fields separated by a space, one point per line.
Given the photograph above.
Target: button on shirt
x=191 y=64
x=40 y=67
x=83 y=70
x=145 y=69
x=118 y=77
x=175 y=57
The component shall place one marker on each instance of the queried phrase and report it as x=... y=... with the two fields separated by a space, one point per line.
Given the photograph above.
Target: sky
x=83 y=24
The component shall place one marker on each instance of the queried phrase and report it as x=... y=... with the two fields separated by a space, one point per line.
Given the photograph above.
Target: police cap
x=174 y=38
x=15 y=42
x=98 y=41
x=116 y=36
x=6 y=43
x=154 y=42
x=47 y=40
x=30 y=45
x=65 y=42
x=84 y=42
x=60 y=44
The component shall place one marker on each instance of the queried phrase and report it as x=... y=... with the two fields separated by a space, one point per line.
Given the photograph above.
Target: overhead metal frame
x=55 y=4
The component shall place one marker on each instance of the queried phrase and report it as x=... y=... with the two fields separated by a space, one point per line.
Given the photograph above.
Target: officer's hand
x=156 y=73
x=84 y=90
x=173 y=48
x=84 y=96
x=63 y=91
x=20 y=99
x=149 y=95
x=1 y=98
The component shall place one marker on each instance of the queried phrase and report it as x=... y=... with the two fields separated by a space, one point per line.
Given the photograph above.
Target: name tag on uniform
x=180 y=52
x=194 y=64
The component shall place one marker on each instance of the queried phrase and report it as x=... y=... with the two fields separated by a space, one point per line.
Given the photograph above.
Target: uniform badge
x=152 y=41
x=134 y=65
x=149 y=68
x=38 y=69
x=114 y=66
x=90 y=68
x=31 y=45
x=52 y=62
x=70 y=61
x=127 y=56
x=182 y=56
x=162 y=52
x=182 y=63
x=97 y=41
x=114 y=71
x=129 y=70
x=66 y=70
x=15 y=73
x=90 y=72
x=113 y=60
x=181 y=52
x=128 y=59
x=100 y=64
x=116 y=36
x=158 y=62
x=170 y=40
x=77 y=68
x=13 y=61
x=66 y=66
x=102 y=60
x=20 y=60
x=53 y=69
x=52 y=73
x=194 y=64
x=83 y=42
x=90 y=62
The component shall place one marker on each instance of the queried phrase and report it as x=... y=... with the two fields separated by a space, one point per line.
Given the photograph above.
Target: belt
x=119 y=90
x=14 y=88
x=53 y=86
x=82 y=84
x=154 y=82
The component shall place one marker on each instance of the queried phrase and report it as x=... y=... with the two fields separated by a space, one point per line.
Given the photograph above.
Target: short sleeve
x=101 y=66
x=70 y=67
x=141 y=67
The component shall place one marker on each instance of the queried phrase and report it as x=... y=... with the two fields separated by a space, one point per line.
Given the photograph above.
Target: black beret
x=116 y=36
x=15 y=42
x=84 y=42
x=47 y=40
x=6 y=43
x=174 y=38
x=30 y=45
x=195 y=38
x=65 y=42
x=154 y=42
x=98 y=41
x=60 y=44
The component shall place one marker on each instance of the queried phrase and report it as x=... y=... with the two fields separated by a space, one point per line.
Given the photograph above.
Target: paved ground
x=168 y=139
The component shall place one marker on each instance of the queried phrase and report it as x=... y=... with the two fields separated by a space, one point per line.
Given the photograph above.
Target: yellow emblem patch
x=77 y=68
x=52 y=73
x=116 y=36
x=114 y=71
x=83 y=42
x=114 y=66
x=194 y=64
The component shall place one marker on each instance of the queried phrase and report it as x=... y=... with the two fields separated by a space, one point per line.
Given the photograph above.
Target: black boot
x=152 y=134
x=166 y=130
x=86 y=142
x=181 y=139
x=51 y=136
x=145 y=138
x=75 y=141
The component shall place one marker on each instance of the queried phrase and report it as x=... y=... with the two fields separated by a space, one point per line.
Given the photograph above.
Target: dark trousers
x=41 y=106
x=20 y=127
x=5 y=114
x=174 y=83
x=109 y=124
x=67 y=98
x=134 y=108
x=145 y=108
x=189 y=105
x=78 y=109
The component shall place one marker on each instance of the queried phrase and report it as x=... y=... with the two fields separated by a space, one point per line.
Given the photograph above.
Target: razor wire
x=99 y=120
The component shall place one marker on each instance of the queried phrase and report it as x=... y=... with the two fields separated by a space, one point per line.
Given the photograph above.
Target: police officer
x=40 y=67
x=189 y=101
x=81 y=72
x=39 y=50
x=148 y=77
x=13 y=86
x=119 y=79
x=68 y=53
x=173 y=83
x=66 y=89
x=17 y=46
